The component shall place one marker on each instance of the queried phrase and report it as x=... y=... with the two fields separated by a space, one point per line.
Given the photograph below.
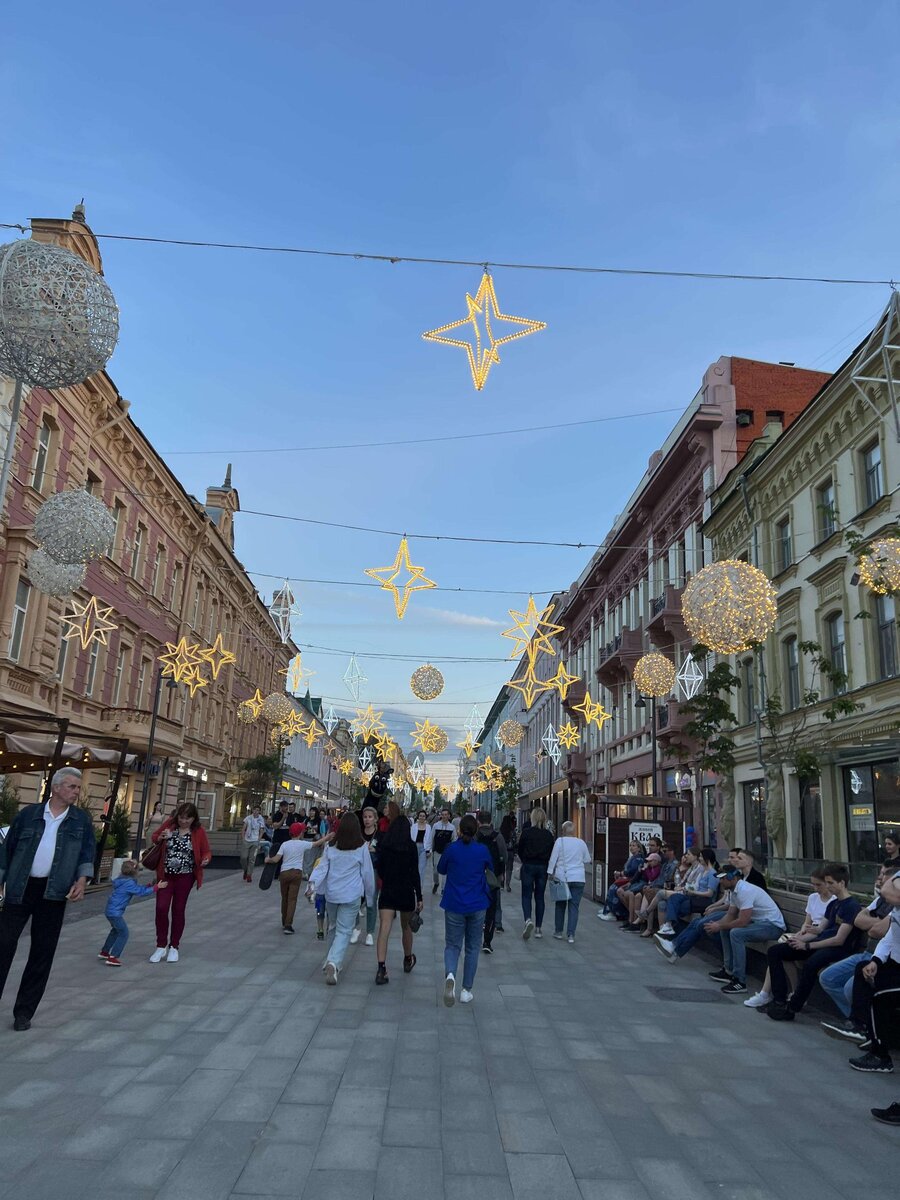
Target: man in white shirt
x=752 y=916
x=251 y=835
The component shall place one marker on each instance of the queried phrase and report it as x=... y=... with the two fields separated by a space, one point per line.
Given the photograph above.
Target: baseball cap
x=296 y=828
x=731 y=873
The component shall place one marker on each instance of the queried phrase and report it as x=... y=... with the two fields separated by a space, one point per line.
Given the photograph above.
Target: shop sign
x=141 y=766
x=642 y=831
x=862 y=818
x=602 y=824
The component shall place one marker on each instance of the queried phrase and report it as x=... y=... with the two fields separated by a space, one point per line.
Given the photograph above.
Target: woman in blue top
x=465 y=900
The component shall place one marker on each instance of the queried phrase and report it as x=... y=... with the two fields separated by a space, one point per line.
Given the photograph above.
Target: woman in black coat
x=401 y=888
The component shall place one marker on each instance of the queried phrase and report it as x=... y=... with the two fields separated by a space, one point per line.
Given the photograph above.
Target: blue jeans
x=534 y=883
x=837 y=981
x=734 y=944
x=459 y=928
x=689 y=937
x=341 y=918
x=576 y=891
x=117 y=937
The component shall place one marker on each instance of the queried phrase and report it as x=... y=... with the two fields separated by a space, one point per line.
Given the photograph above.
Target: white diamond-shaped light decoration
x=354 y=677
x=417 y=768
x=474 y=722
x=283 y=609
x=365 y=758
x=689 y=678
x=330 y=719
x=550 y=743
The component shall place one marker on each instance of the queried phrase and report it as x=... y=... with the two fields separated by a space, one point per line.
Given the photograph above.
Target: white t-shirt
x=43 y=856
x=569 y=858
x=815 y=908
x=292 y=853
x=747 y=895
x=253 y=828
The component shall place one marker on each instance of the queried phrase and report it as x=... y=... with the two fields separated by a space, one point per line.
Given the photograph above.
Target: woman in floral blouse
x=186 y=853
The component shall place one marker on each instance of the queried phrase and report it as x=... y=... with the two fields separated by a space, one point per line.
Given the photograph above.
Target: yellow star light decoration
x=292 y=725
x=483 y=348
x=492 y=772
x=194 y=680
x=469 y=746
x=479 y=785
x=311 y=734
x=416 y=581
x=255 y=703
x=593 y=712
x=180 y=659
x=428 y=784
x=426 y=734
x=532 y=631
x=346 y=766
x=529 y=685
x=562 y=681
x=295 y=674
x=217 y=657
x=385 y=745
x=367 y=722
x=89 y=623
x=568 y=735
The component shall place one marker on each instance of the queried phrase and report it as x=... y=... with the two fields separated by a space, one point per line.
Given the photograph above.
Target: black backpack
x=489 y=839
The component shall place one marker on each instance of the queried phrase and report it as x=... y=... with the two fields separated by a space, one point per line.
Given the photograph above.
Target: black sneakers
x=734 y=987
x=888 y=1116
x=871 y=1062
x=720 y=976
x=847 y=1030
x=381 y=975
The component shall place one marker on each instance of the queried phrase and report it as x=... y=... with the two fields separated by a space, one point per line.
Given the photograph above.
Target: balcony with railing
x=666 y=624
x=134 y=724
x=616 y=660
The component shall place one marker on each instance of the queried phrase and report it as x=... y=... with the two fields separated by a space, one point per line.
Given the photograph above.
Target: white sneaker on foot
x=450 y=991
x=158 y=954
x=370 y=941
x=331 y=974
x=528 y=930
x=465 y=996
x=172 y=956
x=665 y=948
x=605 y=916
x=558 y=936
x=537 y=933
x=758 y=1001
x=571 y=941
x=667 y=930
x=354 y=937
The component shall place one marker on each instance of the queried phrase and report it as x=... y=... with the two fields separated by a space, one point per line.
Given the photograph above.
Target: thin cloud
x=449 y=616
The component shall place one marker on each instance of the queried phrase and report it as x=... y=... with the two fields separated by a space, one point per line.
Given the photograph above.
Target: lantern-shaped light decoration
x=512 y=732
x=654 y=675
x=53 y=578
x=74 y=527
x=246 y=713
x=880 y=568
x=58 y=318
x=276 y=708
x=729 y=606
x=427 y=682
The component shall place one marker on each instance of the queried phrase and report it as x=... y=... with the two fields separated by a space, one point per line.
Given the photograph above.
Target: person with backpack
x=490 y=838
x=442 y=832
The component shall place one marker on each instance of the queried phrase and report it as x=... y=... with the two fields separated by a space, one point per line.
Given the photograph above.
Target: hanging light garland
x=74 y=527
x=512 y=732
x=729 y=606
x=426 y=682
x=654 y=675
x=53 y=578
x=879 y=567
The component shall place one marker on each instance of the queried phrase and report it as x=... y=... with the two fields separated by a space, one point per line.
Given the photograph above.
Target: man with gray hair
x=46 y=859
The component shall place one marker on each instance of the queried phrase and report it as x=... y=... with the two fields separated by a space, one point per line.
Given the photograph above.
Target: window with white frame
x=142 y=681
x=19 y=617
x=826 y=512
x=91 y=677
x=873 y=488
x=784 y=544
x=748 y=682
x=41 y=455
x=120 y=673
x=159 y=563
x=137 y=549
x=886 y=623
x=791 y=674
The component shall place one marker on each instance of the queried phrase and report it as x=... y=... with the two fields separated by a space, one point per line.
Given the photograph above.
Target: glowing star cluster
x=532 y=631
x=89 y=622
x=414 y=580
x=593 y=712
x=429 y=736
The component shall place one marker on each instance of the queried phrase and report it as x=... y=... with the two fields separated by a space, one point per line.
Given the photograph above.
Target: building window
x=41 y=455
x=121 y=671
x=159 y=564
x=784 y=546
x=886 y=621
x=837 y=648
x=143 y=676
x=92 y=486
x=136 y=551
x=118 y=516
x=791 y=674
x=826 y=515
x=757 y=840
x=871 y=465
x=176 y=587
x=20 y=613
x=61 y=659
x=91 y=677
x=749 y=682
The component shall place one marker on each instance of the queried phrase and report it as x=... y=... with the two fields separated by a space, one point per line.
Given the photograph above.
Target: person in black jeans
x=496 y=847
x=510 y=836
x=535 y=848
x=876 y=989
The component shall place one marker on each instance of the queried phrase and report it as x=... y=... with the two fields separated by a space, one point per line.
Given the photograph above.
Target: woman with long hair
x=344 y=876
x=185 y=853
x=369 y=822
x=423 y=836
x=535 y=848
x=464 y=901
x=508 y=832
x=694 y=895
x=401 y=888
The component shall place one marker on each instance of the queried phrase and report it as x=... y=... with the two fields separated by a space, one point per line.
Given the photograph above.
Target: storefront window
x=812 y=844
x=757 y=839
x=862 y=839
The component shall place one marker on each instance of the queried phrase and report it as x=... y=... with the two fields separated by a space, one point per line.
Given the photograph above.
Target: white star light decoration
x=550 y=743
x=283 y=609
x=689 y=678
x=354 y=677
x=296 y=675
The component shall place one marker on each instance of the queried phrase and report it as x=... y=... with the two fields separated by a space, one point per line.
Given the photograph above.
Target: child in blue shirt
x=123 y=889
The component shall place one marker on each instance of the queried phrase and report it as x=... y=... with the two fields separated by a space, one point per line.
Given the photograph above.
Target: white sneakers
x=606 y=916
x=172 y=956
x=450 y=991
x=465 y=996
x=571 y=940
x=528 y=930
x=331 y=974
x=760 y=1000
x=158 y=954
x=665 y=948
x=354 y=937
x=667 y=930
x=537 y=933
x=370 y=941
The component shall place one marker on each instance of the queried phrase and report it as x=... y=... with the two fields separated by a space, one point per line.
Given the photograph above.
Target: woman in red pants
x=186 y=852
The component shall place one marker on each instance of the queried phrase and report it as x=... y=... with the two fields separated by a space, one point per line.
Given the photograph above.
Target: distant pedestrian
x=124 y=889
x=39 y=872
x=252 y=831
x=496 y=848
x=535 y=847
x=289 y=855
x=567 y=862
x=344 y=876
x=443 y=831
x=185 y=853
x=369 y=822
x=465 y=900
x=155 y=819
x=509 y=833
x=401 y=888
x=423 y=836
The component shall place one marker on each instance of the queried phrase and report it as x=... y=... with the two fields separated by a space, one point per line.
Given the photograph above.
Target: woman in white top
x=343 y=875
x=567 y=862
x=423 y=835
x=818 y=901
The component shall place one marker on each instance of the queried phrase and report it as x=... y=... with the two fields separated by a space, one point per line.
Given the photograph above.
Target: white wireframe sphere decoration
x=53 y=578
x=729 y=606
x=74 y=527
x=654 y=675
x=276 y=708
x=59 y=322
x=245 y=713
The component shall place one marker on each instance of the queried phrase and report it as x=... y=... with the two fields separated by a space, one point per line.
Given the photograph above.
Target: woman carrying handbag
x=184 y=852
x=567 y=862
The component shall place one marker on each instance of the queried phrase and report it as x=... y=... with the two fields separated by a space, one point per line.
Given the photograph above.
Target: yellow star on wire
x=346 y=766
x=483 y=310
x=529 y=685
x=428 y=784
x=562 y=681
x=217 y=656
x=194 y=680
x=492 y=772
x=424 y=733
x=293 y=724
x=593 y=712
x=415 y=583
x=366 y=722
x=180 y=659
x=568 y=735
x=295 y=674
x=89 y=623
x=385 y=745
x=532 y=631
x=479 y=785
x=311 y=734
x=469 y=746
x=255 y=703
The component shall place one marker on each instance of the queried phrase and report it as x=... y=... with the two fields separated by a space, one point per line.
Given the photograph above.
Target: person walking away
x=369 y=821
x=124 y=889
x=567 y=862
x=345 y=876
x=442 y=834
x=535 y=848
x=185 y=853
x=252 y=831
x=46 y=859
x=289 y=856
x=509 y=833
x=489 y=837
x=401 y=888
x=464 y=899
x=423 y=835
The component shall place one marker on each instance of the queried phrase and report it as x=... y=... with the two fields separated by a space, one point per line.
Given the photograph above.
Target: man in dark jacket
x=489 y=836
x=45 y=860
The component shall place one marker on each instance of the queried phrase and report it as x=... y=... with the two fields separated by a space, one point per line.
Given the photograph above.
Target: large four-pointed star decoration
x=415 y=581
x=89 y=622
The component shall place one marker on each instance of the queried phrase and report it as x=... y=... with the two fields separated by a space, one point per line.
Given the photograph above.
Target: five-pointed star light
x=416 y=581
x=492 y=771
x=481 y=346
x=366 y=722
x=180 y=659
x=354 y=677
x=89 y=622
x=469 y=746
x=568 y=735
x=217 y=656
x=529 y=685
x=562 y=681
x=293 y=724
x=532 y=631
x=194 y=680
x=593 y=712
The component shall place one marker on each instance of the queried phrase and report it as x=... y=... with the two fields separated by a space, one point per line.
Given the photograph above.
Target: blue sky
x=695 y=136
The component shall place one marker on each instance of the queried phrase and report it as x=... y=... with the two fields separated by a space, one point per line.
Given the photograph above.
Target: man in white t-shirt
x=251 y=835
x=752 y=916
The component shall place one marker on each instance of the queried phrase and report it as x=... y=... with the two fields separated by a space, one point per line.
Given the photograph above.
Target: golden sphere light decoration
x=426 y=682
x=729 y=606
x=245 y=713
x=511 y=732
x=654 y=675
x=438 y=743
x=276 y=708
x=879 y=569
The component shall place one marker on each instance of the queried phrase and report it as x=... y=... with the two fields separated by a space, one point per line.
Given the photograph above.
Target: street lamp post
x=148 y=761
x=642 y=703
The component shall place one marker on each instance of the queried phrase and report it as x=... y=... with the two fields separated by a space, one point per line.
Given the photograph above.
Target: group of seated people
x=695 y=897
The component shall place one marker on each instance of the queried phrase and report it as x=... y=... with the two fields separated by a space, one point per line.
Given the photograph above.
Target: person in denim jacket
x=46 y=859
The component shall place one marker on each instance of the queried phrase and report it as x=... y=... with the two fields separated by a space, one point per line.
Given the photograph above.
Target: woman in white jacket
x=423 y=835
x=344 y=875
x=567 y=862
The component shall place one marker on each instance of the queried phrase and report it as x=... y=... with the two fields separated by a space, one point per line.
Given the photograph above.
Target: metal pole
x=9 y=453
x=653 y=766
x=148 y=762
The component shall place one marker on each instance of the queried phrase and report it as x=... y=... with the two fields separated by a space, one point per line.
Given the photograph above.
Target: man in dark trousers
x=46 y=859
x=490 y=837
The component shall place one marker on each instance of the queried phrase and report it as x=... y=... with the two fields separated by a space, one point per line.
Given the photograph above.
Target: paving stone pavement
x=237 y=1074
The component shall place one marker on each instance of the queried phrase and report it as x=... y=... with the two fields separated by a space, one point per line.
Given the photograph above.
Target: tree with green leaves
x=509 y=790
